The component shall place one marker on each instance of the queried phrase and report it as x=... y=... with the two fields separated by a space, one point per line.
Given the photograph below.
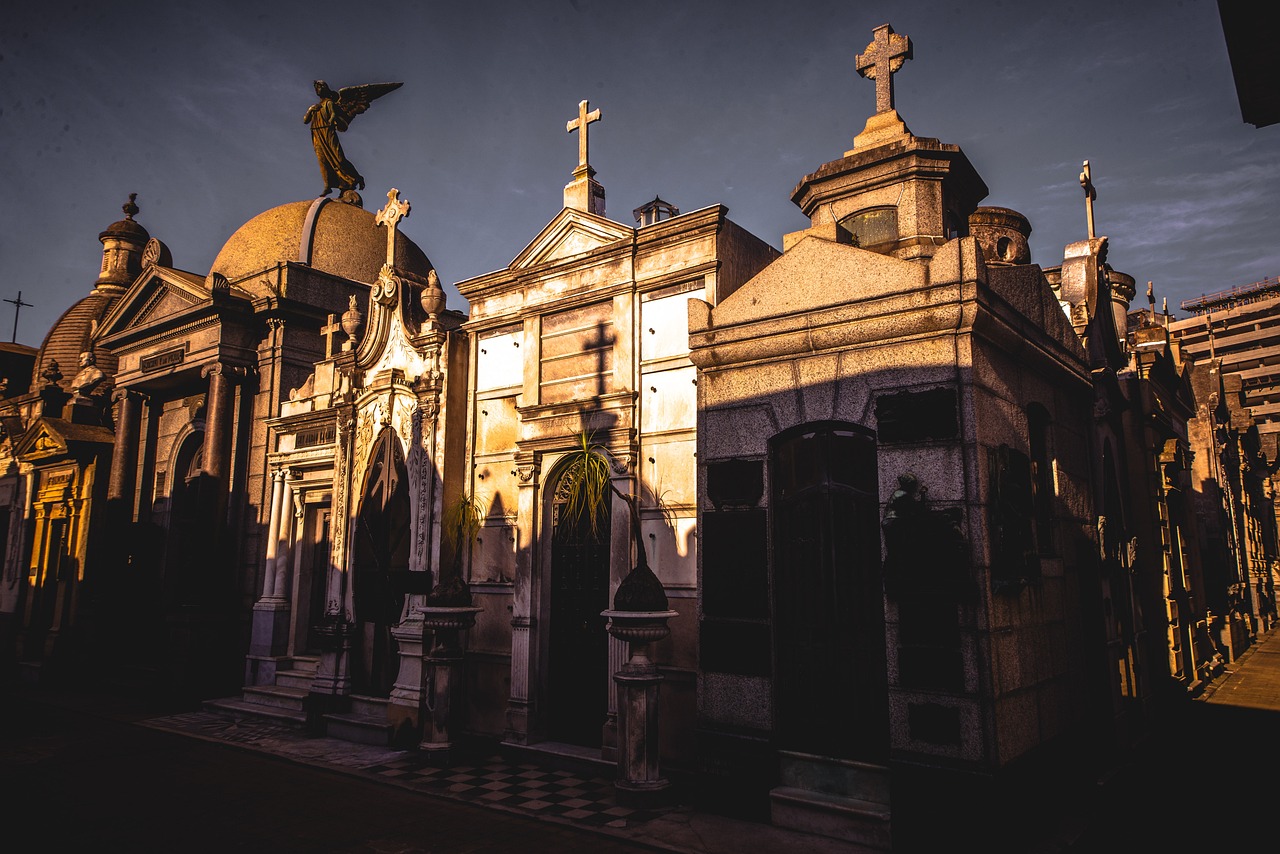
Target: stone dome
x=328 y=235
x=71 y=335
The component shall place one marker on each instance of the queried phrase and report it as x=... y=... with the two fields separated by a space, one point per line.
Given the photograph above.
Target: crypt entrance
x=578 y=652
x=828 y=606
x=380 y=565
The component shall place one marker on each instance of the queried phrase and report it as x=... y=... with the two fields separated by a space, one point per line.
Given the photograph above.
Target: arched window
x=874 y=229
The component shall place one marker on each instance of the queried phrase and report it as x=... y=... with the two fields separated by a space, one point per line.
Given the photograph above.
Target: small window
x=1041 y=476
x=875 y=229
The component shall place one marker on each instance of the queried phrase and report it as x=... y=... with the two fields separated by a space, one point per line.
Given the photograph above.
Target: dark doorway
x=381 y=557
x=189 y=542
x=579 y=651
x=829 y=647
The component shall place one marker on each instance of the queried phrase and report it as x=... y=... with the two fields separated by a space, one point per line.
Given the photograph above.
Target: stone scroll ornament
x=926 y=551
x=328 y=117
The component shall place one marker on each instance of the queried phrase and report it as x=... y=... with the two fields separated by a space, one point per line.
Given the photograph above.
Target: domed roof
x=72 y=335
x=331 y=236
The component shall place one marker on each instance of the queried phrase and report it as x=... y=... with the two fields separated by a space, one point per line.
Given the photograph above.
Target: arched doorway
x=381 y=554
x=188 y=546
x=830 y=676
x=577 y=672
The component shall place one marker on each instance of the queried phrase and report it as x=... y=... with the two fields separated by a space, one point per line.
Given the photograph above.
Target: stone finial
x=352 y=320
x=881 y=60
x=130 y=207
x=433 y=296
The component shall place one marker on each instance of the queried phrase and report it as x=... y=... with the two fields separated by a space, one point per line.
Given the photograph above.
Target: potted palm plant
x=638 y=617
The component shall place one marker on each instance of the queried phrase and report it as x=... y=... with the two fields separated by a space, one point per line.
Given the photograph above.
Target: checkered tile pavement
x=525 y=788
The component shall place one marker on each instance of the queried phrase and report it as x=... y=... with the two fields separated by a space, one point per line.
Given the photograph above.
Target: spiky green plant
x=590 y=484
x=461 y=525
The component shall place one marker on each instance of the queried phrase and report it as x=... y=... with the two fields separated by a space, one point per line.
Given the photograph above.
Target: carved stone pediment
x=571 y=233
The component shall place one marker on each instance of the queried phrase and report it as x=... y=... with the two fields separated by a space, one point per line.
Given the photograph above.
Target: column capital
x=234 y=373
x=118 y=394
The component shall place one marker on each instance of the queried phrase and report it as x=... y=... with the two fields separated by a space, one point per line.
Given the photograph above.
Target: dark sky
x=198 y=109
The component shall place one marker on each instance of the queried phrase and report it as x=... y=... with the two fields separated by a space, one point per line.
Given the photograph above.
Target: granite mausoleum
x=897 y=531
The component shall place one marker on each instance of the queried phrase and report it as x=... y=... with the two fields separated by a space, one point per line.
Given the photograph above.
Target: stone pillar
x=442 y=709
x=217 y=423
x=284 y=535
x=273 y=544
x=333 y=675
x=269 y=633
x=124 y=456
x=522 y=621
x=639 y=781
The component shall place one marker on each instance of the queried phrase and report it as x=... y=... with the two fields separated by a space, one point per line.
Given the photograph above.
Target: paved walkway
x=1208 y=752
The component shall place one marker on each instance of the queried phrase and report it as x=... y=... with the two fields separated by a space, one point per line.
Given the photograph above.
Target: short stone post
x=444 y=673
x=639 y=781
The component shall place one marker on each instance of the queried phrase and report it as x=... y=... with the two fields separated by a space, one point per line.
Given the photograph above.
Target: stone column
x=284 y=535
x=217 y=423
x=273 y=544
x=269 y=637
x=124 y=455
x=333 y=675
x=522 y=621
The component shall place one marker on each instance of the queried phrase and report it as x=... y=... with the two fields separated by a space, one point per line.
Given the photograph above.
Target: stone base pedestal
x=640 y=781
x=404 y=705
x=269 y=634
x=441 y=706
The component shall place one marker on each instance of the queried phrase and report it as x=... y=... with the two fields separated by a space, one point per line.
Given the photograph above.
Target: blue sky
x=199 y=111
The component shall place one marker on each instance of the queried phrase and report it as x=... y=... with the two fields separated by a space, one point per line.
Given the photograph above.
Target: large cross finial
x=881 y=60
x=396 y=210
x=580 y=125
x=1086 y=181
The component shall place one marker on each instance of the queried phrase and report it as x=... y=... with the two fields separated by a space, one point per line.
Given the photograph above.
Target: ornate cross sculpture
x=1086 y=181
x=396 y=210
x=881 y=60
x=580 y=125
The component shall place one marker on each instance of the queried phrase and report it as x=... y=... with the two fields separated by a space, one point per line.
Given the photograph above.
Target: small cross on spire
x=580 y=125
x=396 y=210
x=1086 y=181
x=17 y=309
x=881 y=60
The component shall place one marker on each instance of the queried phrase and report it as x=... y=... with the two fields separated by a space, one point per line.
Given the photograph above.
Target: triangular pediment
x=572 y=232
x=42 y=440
x=158 y=293
x=816 y=274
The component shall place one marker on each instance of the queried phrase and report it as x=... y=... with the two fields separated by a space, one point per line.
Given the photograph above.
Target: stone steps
x=240 y=708
x=365 y=722
x=833 y=797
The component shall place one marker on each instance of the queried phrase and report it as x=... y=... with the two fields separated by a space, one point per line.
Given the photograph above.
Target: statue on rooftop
x=331 y=115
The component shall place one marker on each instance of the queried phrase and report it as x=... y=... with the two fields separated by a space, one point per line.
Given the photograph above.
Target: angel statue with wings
x=332 y=115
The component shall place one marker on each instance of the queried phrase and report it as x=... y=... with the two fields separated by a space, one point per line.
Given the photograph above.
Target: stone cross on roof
x=580 y=125
x=1086 y=181
x=396 y=210
x=332 y=328
x=881 y=60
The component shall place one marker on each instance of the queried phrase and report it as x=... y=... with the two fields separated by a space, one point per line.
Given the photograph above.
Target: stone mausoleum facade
x=899 y=530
